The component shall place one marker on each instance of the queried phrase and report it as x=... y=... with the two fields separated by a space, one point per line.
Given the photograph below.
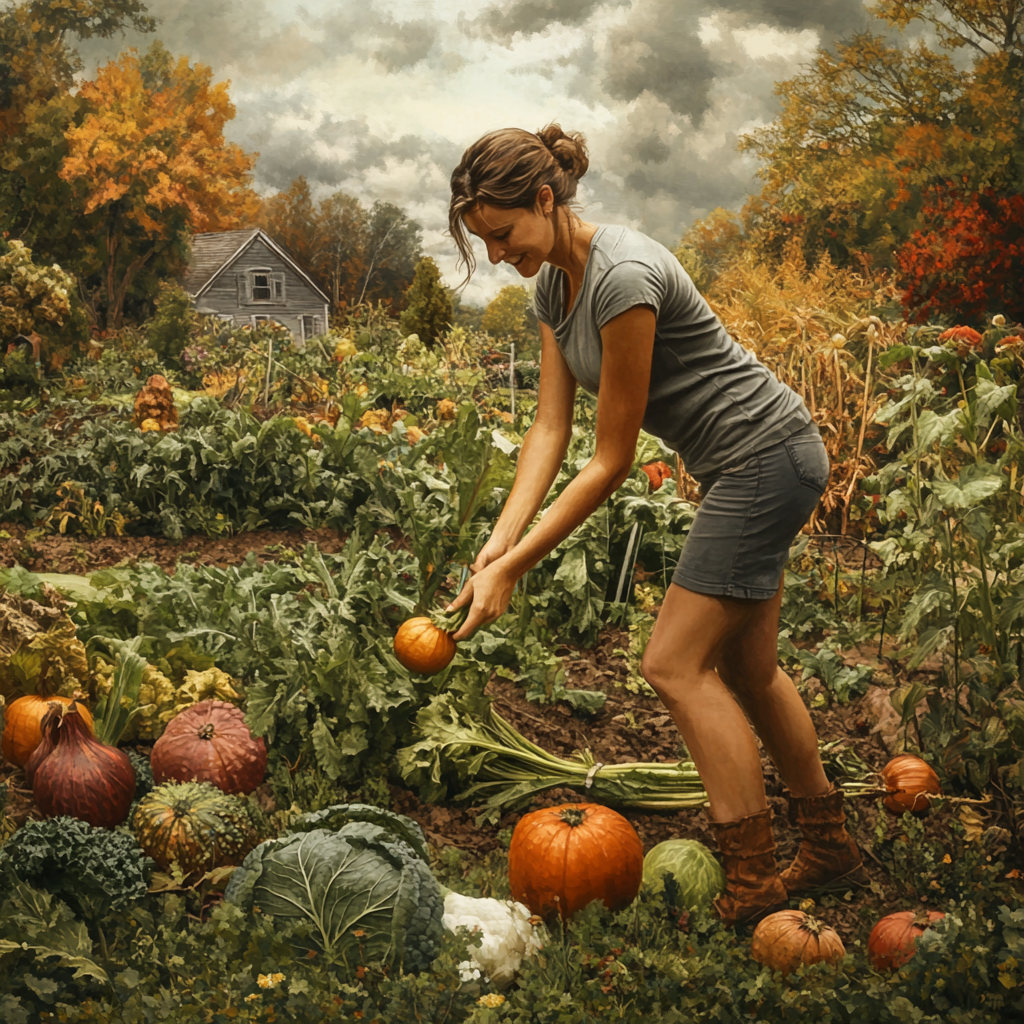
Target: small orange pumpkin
x=657 y=472
x=909 y=781
x=23 y=725
x=562 y=858
x=790 y=939
x=425 y=645
x=893 y=940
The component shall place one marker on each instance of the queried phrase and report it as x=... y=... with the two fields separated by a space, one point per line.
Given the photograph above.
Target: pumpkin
x=195 y=825
x=425 y=645
x=210 y=742
x=561 y=858
x=893 y=940
x=23 y=726
x=80 y=776
x=789 y=939
x=909 y=781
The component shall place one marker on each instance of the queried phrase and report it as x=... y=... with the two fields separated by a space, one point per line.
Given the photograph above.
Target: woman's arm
x=541 y=455
x=627 y=347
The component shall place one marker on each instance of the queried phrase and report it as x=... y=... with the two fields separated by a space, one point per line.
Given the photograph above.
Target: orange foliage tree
x=966 y=256
x=151 y=166
x=870 y=127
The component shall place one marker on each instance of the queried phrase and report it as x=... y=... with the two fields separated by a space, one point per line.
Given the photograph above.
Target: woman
x=620 y=317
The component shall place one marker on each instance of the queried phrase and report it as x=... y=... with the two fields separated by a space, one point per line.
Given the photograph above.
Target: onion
x=909 y=781
x=80 y=776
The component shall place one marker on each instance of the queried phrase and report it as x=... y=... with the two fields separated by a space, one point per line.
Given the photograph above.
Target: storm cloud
x=380 y=97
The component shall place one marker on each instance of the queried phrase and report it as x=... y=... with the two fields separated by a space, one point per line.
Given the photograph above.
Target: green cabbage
x=699 y=876
x=362 y=878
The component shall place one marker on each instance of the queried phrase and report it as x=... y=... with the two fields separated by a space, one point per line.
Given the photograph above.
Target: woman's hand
x=490 y=552
x=488 y=592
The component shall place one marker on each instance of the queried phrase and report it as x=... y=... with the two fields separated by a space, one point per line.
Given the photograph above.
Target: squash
x=893 y=940
x=195 y=825
x=210 y=742
x=561 y=858
x=909 y=782
x=790 y=939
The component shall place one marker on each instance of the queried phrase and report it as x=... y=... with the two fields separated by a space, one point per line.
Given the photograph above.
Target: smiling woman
x=620 y=317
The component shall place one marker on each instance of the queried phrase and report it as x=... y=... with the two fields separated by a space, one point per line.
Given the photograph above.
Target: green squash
x=194 y=824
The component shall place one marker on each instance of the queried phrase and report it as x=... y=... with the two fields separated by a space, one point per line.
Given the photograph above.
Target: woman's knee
x=744 y=676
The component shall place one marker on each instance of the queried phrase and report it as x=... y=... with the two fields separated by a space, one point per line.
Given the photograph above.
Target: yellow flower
x=492 y=1000
x=270 y=980
x=252 y=996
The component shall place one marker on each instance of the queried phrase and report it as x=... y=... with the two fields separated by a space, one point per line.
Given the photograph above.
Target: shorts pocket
x=810 y=460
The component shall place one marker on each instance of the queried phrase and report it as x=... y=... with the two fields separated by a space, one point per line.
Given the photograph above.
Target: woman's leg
x=749 y=668
x=689 y=640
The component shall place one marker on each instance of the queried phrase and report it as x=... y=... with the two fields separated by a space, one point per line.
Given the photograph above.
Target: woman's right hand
x=490 y=552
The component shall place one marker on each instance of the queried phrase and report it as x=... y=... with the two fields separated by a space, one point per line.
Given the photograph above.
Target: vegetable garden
x=226 y=797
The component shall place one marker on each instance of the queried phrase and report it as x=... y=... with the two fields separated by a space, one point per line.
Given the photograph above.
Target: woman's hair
x=507 y=169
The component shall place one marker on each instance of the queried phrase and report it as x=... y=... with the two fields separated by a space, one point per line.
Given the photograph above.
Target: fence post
x=512 y=377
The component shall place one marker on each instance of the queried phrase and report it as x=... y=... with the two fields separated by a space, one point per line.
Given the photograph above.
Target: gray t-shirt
x=710 y=399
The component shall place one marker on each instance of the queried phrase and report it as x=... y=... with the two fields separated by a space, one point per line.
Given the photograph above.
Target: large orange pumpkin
x=894 y=939
x=23 y=725
x=790 y=939
x=562 y=858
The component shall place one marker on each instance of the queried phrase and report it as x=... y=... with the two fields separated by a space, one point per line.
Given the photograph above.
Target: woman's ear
x=545 y=200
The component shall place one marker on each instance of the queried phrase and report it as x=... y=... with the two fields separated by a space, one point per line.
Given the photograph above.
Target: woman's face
x=521 y=237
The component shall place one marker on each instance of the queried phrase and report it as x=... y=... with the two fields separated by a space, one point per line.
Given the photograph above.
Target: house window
x=260 y=318
x=260 y=285
x=311 y=326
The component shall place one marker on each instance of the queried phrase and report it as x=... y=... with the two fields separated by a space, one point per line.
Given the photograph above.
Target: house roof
x=215 y=251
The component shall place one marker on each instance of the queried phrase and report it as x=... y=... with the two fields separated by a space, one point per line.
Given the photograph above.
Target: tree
x=393 y=249
x=428 y=312
x=866 y=131
x=340 y=255
x=151 y=166
x=509 y=317
x=291 y=218
x=38 y=65
x=966 y=256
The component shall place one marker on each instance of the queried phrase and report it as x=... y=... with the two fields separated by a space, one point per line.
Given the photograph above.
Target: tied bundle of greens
x=466 y=750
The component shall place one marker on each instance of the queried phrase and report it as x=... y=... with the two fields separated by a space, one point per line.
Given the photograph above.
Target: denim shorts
x=749 y=515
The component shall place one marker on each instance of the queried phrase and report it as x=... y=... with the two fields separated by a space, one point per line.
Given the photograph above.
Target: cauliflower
x=506 y=934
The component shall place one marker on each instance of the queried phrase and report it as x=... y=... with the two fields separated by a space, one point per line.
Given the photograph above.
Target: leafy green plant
x=94 y=870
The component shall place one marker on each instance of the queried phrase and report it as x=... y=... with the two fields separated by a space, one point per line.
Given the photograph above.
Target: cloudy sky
x=380 y=97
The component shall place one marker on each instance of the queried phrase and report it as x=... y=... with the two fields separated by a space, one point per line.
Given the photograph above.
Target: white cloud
x=380 y=97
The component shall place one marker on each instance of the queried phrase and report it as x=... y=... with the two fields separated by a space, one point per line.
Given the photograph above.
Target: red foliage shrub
x=966 y=257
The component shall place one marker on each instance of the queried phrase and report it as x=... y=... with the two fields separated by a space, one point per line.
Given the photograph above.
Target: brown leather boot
x=828 y=856
x=753 y=885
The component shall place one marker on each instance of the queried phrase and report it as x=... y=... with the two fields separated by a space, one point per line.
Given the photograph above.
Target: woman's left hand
x=490 y=591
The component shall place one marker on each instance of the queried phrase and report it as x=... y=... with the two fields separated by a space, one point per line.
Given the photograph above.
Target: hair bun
x=568 y=148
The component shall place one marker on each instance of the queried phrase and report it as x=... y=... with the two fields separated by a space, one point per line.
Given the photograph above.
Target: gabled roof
x=215 y=251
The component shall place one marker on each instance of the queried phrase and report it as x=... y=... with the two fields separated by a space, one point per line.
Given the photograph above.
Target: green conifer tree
x=429 y=311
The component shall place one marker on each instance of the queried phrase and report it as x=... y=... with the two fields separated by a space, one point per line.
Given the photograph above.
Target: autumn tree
x=354 y=254
x=509 y=317
x=428 y=312
x=872 y=125
x=151 y=166
x=38 y=64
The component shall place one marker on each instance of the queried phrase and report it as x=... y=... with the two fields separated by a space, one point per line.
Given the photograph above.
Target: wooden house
x=246 y=277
